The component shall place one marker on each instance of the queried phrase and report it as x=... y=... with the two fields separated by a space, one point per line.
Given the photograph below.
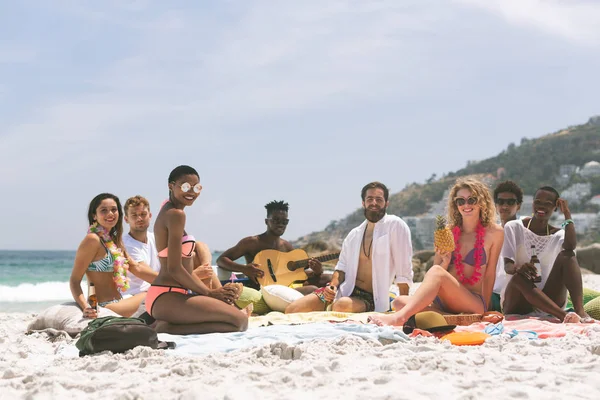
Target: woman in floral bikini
x=461 y=281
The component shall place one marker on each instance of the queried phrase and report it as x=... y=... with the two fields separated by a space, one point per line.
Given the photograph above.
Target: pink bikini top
x=188 y=244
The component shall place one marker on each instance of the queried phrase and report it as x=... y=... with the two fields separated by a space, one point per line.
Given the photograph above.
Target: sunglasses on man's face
x=277 y=221
x=509 y=202
x=461 y=201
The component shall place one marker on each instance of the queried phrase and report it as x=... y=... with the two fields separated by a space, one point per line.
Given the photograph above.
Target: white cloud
x=574 y=20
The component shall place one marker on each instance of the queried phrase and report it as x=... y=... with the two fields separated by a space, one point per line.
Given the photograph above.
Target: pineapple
x=442 y=237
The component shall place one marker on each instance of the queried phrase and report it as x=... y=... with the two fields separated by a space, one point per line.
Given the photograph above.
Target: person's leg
x=308 y=303
x=196 y=314
x=306 y=289
x=349 y=304
x=522 y=296
x=437 y=283
x=401 y=301
x=127 y=307
x=566 y=276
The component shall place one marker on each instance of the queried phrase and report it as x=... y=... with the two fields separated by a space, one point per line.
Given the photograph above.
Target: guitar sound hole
x=291 y=265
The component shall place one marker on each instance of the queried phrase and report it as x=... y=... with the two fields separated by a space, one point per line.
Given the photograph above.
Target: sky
x=302 y=101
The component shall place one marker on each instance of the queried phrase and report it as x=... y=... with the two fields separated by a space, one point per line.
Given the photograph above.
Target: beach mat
x=278 y=318
x=283 y=334
x=544 y=327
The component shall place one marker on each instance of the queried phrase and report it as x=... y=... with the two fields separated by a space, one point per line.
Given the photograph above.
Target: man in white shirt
x=508 y=197
x=140 y=244
x=373 y=255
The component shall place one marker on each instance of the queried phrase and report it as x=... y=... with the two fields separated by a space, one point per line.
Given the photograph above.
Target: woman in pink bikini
x=461 y=281
x=178 y=299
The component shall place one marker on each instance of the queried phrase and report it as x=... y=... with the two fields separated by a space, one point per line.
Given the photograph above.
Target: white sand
x=345 y=368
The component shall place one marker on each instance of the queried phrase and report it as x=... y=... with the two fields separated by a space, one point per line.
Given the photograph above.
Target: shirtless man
x=372 y=255
x=248 y=247
x=560 y=272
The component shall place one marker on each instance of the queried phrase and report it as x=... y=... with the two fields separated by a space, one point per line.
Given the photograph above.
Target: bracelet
x=567 y=222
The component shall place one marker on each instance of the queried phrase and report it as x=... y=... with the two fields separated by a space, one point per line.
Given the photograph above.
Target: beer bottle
x=538 y=267
x=92 y=299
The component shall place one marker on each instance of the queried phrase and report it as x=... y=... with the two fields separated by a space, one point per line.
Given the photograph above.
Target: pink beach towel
x=544 y=327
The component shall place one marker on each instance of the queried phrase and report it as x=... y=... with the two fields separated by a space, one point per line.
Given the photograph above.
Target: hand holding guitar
x=316 y=266
x=253 y=272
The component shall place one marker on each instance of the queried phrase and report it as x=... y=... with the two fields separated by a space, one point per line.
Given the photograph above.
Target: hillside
x=532 y=163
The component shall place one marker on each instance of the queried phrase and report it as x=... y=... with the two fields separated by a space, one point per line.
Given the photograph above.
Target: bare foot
x=571 y=318
x=585 y=318
x=386 y=319
x=248 y=309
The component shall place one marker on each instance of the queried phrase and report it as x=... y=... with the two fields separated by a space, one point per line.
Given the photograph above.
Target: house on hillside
x=577 y=193
x=565 y=172
x=584 y=222
x=595 y=200
x=590 y=169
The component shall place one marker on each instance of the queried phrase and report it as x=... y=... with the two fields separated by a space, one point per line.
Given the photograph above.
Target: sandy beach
x=37 y=366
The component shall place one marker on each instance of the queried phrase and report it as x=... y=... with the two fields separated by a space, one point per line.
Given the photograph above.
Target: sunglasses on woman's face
x=510 y=202
x=461 y=201
x=185 y=187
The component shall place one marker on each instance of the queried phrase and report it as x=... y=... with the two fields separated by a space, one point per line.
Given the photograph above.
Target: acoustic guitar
x=285 y=268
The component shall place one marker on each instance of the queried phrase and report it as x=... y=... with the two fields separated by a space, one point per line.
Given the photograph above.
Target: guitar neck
x=326 y=257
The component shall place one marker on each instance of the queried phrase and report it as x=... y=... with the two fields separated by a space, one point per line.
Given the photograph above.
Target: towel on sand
x=288 y=334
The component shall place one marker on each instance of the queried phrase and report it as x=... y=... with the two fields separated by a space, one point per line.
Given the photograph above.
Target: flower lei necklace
x=120 y=264
x=460 y=268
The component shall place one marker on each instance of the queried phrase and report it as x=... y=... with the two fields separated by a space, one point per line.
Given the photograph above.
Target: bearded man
x=374 y=254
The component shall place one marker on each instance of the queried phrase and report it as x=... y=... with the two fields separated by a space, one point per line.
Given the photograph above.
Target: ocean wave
x=35 y=292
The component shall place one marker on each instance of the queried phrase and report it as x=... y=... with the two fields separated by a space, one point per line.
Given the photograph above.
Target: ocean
x=32 y=280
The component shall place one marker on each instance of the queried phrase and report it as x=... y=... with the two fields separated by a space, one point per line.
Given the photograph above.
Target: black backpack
x=116 y=334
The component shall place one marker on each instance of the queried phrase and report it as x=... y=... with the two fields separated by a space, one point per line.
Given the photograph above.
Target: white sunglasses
x=185 y=187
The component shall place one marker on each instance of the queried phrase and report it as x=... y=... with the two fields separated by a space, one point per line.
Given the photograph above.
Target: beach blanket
x=542 y=326
x=271 y=334
x=288 y=334
x=278 y=318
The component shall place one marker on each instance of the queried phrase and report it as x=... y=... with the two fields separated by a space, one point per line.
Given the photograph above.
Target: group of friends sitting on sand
x=489 y=269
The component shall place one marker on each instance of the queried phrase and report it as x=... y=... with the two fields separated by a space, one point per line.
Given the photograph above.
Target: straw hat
x=427 y=321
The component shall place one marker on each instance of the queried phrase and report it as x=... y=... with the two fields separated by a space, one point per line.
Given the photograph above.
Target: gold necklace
x=547 y=227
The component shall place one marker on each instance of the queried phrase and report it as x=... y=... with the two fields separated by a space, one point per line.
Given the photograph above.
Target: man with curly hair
x=508 y=197
x=276 y=221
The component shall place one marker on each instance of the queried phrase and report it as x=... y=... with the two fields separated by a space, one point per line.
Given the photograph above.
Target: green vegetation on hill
x=532 y=163
x=535 y=162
